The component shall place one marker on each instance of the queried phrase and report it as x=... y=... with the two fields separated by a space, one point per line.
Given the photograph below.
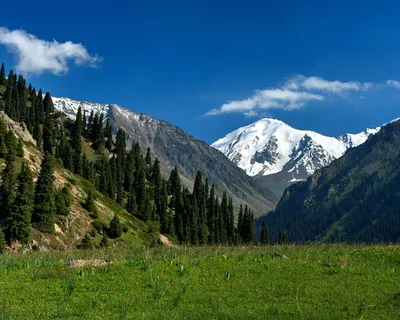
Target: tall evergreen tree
x=3 y=80
x=8 y=187
x=2 y=241
x=264 y=239
x=48 y=134
x=211 y=216
x=78 y=132
x=19 y=221
x=37 y=135
x=48 y=106
x=240 y=223
x=90 y=205
x=43 y=215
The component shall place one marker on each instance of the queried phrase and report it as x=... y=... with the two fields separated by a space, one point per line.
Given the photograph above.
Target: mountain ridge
x=354 y=199
x=277 y=155
x=175 y=147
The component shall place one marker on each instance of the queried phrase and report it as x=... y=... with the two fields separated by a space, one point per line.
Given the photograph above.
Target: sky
x=213 y=66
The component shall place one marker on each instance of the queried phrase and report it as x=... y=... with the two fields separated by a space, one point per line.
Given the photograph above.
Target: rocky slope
x=175 y=147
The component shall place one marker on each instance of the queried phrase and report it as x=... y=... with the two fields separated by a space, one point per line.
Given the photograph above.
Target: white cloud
x=295 y=93
x=267 y=99
x=320 y=84
x=37 y=56
x=393 y=83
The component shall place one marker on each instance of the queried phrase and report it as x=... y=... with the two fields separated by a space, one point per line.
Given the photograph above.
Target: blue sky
x=320 y=65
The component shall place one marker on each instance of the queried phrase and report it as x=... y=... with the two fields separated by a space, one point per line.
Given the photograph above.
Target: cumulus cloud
x=393 y=83
x=295 y=93
x=320 y=84
x=37 y=56
x=267 y=99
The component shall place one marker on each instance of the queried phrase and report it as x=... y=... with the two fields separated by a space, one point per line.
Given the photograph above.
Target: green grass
x=313 y=282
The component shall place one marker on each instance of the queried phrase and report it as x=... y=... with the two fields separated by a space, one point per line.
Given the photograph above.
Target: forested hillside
x=130 y=180
x=355 y=199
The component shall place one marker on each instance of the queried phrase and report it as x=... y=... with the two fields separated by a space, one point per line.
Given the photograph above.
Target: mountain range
x=174 y=147
x=278 y=155
x=354 y=199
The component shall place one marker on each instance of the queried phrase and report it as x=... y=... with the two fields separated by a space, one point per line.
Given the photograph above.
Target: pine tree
x=63 y=200
x=240 y=223
x=48 y=134
x=211 y=216
x=43 y=216
x=148 y=158
x=264 y=239
x=179 y=213
x=108 y=136
x=131 y=205
x=115 y=227
x=37 y=135
x=8 y=189
x=78 y=132
x=39 y=107
x=19 y=221
x=48 y=106
x=104 y=242
x=19 y=149
x=3 y=80
x=2 y=242
x=90 y=205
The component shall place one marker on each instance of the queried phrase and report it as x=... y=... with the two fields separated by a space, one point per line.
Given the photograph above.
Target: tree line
x=131 y=178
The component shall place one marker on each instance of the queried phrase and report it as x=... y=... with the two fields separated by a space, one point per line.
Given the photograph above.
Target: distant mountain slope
x=355 y=199
x=175 y=147
x=279 y=155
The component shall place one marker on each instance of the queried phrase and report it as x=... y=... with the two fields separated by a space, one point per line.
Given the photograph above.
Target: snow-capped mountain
x=271 y=147
x=174 y=147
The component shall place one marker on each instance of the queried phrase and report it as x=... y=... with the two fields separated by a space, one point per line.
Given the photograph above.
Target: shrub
x=86 y=243
x=98 y=225
x=104 y=243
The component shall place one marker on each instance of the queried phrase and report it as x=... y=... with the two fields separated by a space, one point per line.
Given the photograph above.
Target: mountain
x=278 y=155
x=174 y=147
x=355 y=199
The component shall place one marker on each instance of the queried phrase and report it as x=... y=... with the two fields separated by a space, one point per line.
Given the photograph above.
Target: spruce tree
x=108 y=136
x=264 y=239
x=104 y=242
x=78 y=132
x=2 y=241
x=115 y=227
x=43 y=215
x=37 y=135
x=8 y=189
x=48 y=134
x=63 y=200
x=19 y=221
x=3 y=80
x=240 y=222
x=211 y=217
x=48 y=106
x=39 y=107
x=131 y=205
x=90 y=205
x=179 y=216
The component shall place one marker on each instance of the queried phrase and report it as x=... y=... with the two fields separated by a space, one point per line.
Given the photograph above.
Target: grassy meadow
x=276 y=282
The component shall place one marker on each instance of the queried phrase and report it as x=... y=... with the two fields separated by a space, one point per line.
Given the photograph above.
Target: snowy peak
x=270 y=146
x=70 y=107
